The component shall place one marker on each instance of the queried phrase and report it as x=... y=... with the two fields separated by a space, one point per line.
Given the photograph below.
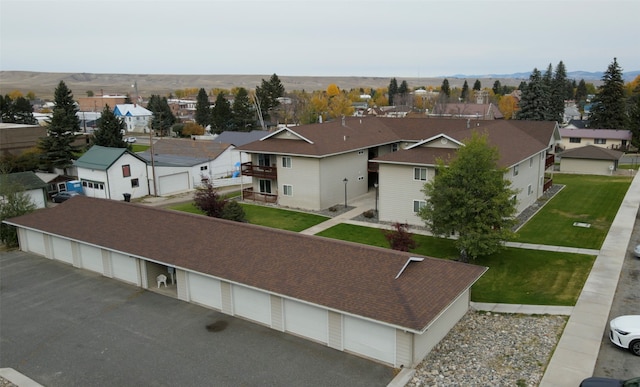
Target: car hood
x=600 y=382
x=627 y=323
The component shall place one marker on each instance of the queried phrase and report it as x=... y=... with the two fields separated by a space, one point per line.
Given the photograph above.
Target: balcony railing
x=548 y=182
x=550 y=160
x=373 y=167
x=250 y=194
x=260 y=171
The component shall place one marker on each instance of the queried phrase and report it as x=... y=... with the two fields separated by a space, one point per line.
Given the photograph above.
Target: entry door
x=265 y=186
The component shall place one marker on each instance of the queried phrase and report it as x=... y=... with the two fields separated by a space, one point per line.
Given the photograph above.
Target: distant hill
x=577 y=75
x=43 y=84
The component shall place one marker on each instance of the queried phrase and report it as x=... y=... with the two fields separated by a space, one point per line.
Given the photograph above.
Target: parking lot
x=612 y=361
x=63 y=326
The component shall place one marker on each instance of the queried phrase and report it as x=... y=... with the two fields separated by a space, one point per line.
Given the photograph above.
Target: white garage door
x=173 y=183
x=369 y=339
x=252 y=304
x=62 y=250
x=91 y=258
x=306 y=320
x=125 y=268
x=205 y=290
x=36 y=242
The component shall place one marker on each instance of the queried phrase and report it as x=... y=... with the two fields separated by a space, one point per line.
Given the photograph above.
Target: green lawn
x=515 y=276
x=586 y=199
x=139 y=148
x=267 y=216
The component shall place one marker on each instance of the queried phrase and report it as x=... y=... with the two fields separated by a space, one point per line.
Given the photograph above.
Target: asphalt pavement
x=63 y=326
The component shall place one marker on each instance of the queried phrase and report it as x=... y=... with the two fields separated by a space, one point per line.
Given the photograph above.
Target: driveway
x=63 y=326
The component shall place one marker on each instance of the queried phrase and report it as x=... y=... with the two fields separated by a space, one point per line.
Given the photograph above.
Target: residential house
x=55 y=182
x=474 y=111
x=590 y=159
x=136 y=118
x=388 y=306
x=317 y=166
x=97 y=103
x=182 y=164
x=603 y=138
x=109 y=173
x=29 y=184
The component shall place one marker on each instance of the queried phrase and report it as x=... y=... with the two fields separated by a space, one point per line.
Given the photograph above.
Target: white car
x=624 y=331
x=130 y=139
x=636 y=251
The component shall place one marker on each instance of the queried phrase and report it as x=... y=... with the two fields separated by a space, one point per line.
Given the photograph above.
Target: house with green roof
x=110 y=173
x=26 y=182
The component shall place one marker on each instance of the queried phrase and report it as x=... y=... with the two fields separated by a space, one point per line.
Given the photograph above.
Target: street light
x=345 y=181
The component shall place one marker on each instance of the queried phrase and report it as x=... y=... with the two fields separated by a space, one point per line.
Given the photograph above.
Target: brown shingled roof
x=516 y=140
x=348 y=277
x=591 y=152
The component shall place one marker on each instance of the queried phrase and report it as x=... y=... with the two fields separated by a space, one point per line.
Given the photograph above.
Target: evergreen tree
x=581 y=92
x=221 y=114
x=558 y=91
x=233 y=211
x=477 y=86
x=634 y=116
x=57 y=147
x=243 y=113
x=609 y=105
x=534 y=101
x=24 y=112
x=6 y=109
x=393 y=90
x=472 y=198
x=163 y=118
x=445 y=89
x=464 y=94
x=203 y=109
x=109 y=132
x=497 y=87
x=268 y=94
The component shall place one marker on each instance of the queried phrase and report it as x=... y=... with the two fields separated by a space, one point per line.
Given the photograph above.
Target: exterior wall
x=304 y=182
x=424 y=343
x=397 y=191
x=138 y=124
x=333 y=170
x=119 y=184
x=566 y=143
x=591 y=167
x=37 y=197
x=17 y=138
x=530 y=172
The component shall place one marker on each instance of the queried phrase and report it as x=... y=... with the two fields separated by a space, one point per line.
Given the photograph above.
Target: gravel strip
x=489 y=349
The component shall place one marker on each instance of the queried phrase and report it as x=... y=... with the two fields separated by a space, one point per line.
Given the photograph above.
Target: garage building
x=381 y=304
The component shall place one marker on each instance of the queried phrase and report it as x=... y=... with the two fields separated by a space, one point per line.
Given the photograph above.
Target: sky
x=427 y=38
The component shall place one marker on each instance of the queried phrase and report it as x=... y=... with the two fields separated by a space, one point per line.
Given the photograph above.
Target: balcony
x=550 y=160
x=250 y=194
x=548 y=182
x=259 y=171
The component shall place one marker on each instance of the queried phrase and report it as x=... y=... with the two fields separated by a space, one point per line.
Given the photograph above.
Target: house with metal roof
x=110 y=173
x=386 y=305
x=318 y=166
x=136 y=118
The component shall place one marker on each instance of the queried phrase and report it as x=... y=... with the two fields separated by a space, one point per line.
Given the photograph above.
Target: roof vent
x=411 y=259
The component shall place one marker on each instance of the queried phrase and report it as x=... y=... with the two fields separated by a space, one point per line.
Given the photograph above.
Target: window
x=516 y=169
x=204 y=168
x=420 y=174
x=126 y=170
x=92 y=184
x=360 y=152
x=360 y=178
x=135 y=183
x=286 y=162
x=265 y=186
x=263 y=160
x=418 y=204
x=600 y=141
x=394 y=147
x=529 y=190
x=287 y=190
x=575 y=140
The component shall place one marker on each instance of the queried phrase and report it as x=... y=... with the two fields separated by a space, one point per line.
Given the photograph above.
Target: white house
x=29 y=184
x=382 y=304
x=603 y=138
x=137 y=118
x=110 y=173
